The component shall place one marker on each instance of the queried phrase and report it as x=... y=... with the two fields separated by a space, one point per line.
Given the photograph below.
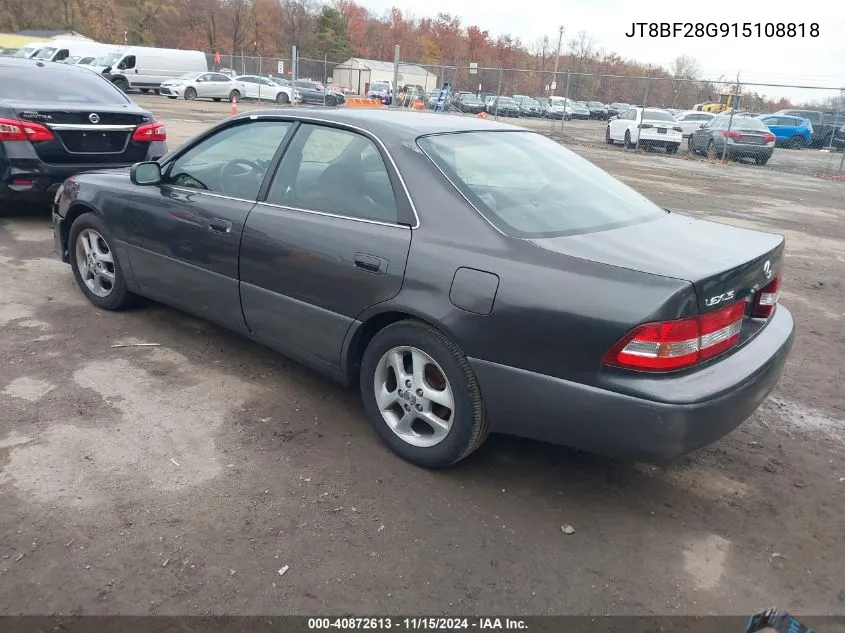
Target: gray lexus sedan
x=468 y=276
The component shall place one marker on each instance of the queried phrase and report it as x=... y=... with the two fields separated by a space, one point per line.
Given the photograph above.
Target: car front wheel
x=607 y=138
x=421 y=395
x=94 y=263
x=691 y=146
x=628 y=142
x=190 y=93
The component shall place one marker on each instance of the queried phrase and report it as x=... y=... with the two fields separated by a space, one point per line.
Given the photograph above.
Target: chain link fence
x=569 y=105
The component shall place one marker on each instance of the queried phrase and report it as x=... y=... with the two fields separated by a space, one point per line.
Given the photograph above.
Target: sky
x=806 y=61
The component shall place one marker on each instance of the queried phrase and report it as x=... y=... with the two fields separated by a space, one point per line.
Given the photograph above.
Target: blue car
x=790 y=131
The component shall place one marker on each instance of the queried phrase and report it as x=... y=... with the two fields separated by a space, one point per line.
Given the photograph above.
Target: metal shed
x=358 y=74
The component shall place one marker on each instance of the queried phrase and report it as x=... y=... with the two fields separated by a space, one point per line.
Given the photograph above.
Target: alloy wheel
x=95 y=262
x=414 y=396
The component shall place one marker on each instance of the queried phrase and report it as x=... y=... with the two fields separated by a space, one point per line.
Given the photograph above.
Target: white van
x=144 y=67
x=59 y=49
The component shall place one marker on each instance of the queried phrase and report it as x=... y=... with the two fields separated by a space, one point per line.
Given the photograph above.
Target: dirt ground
x=182 y=478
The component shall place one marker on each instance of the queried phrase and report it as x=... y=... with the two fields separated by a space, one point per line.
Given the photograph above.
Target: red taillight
x=732 y=135
x=768 y=138
x=682 y=343
x=14 y=130
x=766 y=300
x=150 y=132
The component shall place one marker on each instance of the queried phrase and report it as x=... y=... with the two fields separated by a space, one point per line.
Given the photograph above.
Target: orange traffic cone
x=482 y=115
x=234 y=106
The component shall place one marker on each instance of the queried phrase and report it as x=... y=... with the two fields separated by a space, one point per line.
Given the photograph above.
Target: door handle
x=370 y=263
x=217 y=225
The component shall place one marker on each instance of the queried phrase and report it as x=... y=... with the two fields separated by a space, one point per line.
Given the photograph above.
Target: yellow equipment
x=727 y=101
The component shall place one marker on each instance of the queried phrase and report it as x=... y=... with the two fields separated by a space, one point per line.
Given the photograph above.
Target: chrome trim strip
x=206 y=193
x=368 y=134
x=334 y=215
x=91 y=128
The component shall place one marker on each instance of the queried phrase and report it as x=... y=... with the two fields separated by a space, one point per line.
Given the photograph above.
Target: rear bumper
x=670 y=416
x=749 y=151
x=649 y=136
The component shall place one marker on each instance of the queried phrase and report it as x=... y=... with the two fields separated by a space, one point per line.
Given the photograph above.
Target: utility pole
x=557 y=59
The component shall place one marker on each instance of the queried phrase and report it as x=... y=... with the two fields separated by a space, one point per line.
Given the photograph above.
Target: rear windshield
x=69 y=85
x=531 y=187
x=657 y=115
x=751 y=124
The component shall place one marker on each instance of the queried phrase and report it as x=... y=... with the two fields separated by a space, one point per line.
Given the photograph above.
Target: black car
x=748 y=137
x=617 y=108
x=503 y=106
x=598 y=110
x=316 y=94
x=489 y=280
x=839 y=138
x=57 y=120
x=469 y=103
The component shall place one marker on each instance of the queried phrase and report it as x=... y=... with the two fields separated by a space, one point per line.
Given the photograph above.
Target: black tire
x=218 y=99
x=331 y=101
x=607 y=138
x=798 y=142
x=711 y=148
x=119 y=297
x=190 y=93
x=762 y=160
x=691 y=146
x=145 y=90
x=235 y=94
x=469 y=423
x=282 y=98
x=628 y=142
x=672 y=148
x=122 y=84
x=171 y=97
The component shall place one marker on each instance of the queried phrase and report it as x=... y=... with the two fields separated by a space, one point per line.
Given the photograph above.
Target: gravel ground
x=183 y=478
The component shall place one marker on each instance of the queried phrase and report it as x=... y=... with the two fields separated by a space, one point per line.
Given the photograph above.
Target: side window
x=127 y=63
x=247 y=80
x=62 y=54
x=233 y=162
x=334 y=171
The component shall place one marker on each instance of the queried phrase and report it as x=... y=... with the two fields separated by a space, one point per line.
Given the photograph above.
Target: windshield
x=506 y=100
x=657 y=115
x=557 y=101
x=530 y=186
x=528 y=101
x=70 y=84
x=595 y=104
x=45 y=53
x=26 y=51
x=380 y=85
x=108 y=60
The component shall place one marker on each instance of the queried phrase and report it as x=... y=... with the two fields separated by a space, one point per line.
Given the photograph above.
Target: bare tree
x=582 y=47
x=685 y=67
x=296 y=16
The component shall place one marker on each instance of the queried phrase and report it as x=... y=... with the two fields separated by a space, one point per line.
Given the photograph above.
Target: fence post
x=645 y=105
x=259 y=74
x=325 y=71
x=293 y=70
x=836 y=124
x=731 y=119
x=565 y=102
x=394 y=95
x=498 y=93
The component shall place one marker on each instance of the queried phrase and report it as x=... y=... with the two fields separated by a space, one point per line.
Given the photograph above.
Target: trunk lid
x=86 y=133
x=724 y=263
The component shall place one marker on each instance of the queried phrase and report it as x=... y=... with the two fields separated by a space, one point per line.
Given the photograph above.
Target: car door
x=183 y=235
x=251 y=90
x=701 y=136
x=330 y=240
x=204 y=86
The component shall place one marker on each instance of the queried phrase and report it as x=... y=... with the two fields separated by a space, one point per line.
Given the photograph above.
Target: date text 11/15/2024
x=723 y=29
x=417 y=624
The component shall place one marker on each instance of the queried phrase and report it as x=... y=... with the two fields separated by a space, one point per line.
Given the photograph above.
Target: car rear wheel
x=282 y=98
x=762 y=160
x=628 y=142
x=607 y=138
x=798 y=142
x=234 y=96
x=94 y=263
x=421 y=395
x=190 y=94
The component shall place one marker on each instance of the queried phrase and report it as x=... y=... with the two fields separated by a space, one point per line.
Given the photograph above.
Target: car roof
x=391 y=125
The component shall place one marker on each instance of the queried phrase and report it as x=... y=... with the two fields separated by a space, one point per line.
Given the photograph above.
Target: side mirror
x=147 y=173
